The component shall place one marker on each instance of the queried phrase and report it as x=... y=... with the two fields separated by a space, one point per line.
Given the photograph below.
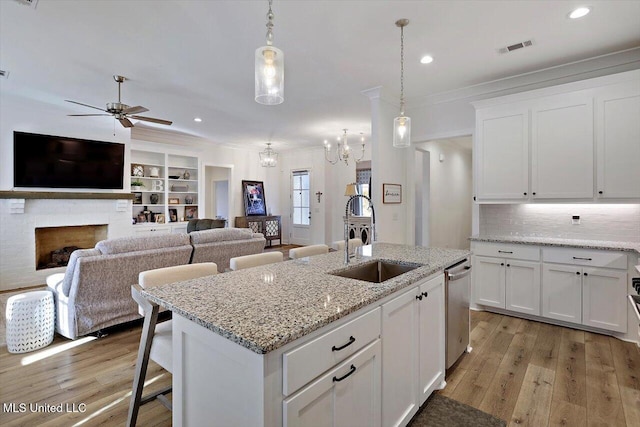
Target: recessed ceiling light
x=579 y=12
x=427 y=59
x=197 y=119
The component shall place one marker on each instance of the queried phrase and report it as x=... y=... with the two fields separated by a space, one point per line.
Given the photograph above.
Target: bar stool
x=338 y=245
x=248 y=261
x=306 y=251
x=156 y=339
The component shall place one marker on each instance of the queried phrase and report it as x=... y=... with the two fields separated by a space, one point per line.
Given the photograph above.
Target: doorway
x=300 y=207
x=217 y=195
x=444 y=192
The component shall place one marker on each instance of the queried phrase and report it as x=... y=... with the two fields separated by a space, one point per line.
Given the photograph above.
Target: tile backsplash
x=617 y=222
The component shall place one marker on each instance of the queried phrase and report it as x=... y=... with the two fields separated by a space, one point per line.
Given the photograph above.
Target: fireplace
x=54 y=244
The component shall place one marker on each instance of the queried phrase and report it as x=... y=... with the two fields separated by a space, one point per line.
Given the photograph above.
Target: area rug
x=440 y=411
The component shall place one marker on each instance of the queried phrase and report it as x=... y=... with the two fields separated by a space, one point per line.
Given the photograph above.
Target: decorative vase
x=136 y=188
x=188 y=199
x=186 y=175
x=153 y=198
x=153 y=172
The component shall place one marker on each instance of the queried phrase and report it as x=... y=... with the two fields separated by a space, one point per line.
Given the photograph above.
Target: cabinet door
x=618 y=141
x=562 y=292
x=502 y=169
x=562 y=147
x=348 y=395
x=489 y=281
x=604 y=299
x=400 y=355
x=523 y=286
x=431 y=336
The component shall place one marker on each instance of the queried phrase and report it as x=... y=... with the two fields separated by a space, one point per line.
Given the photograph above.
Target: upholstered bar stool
x=248 y=261
x=306 y=251
x=338 y=245
x=156 y=339
x=30 y=319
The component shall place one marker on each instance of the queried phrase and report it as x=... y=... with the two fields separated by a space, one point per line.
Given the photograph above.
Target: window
x=363 y=179
x=300 y=197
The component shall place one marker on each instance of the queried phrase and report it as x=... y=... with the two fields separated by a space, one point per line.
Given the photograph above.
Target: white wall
x=450 y=194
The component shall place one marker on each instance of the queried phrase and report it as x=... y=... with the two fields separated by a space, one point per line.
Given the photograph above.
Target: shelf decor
x=137 y=170
x=174 y=201
x=391 y=193
x=254 y=200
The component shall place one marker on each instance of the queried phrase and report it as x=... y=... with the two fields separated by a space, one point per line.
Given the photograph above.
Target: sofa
x=205 y=224
x=94 y=292
x=219 y=245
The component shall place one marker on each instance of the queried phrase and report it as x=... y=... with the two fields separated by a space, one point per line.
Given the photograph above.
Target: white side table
x=30 y=319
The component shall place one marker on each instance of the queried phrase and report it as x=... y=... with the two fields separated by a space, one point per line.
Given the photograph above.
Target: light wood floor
x=524 y=372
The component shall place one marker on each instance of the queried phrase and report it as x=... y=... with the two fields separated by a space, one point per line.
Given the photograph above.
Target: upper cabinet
x=618 y=140
x=562 y=147
x=574 y=142
x=503 y=153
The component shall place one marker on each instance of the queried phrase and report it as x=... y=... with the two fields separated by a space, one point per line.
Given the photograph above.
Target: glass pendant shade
x=269 y=75
x=268 y=157
x=402 y=132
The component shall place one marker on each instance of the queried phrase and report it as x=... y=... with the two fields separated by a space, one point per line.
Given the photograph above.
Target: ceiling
x=189 y=59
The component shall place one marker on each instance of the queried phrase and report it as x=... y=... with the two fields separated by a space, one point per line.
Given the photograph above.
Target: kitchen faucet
x=346 y=224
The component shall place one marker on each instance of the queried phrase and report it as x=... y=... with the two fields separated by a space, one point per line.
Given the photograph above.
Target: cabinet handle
x=336 y=379
x=600 y=192
x=534 y=193
x=425 y=294
x=419 y=297
x=585 y=274
x=508 y=265
x=525 y=193
x=351 y=341
x=584 y=259
x=505 y=252
x=578 y=273
x=502 y=263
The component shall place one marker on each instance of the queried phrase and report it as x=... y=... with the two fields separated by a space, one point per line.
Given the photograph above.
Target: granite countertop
x=569 y=243
x=266 y=307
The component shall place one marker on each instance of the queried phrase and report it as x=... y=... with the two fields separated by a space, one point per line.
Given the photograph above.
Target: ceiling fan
x=121 y=111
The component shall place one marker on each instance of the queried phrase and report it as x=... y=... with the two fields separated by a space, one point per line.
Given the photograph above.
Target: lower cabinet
x=348 y=395
x=585 y=295
x=413 y=347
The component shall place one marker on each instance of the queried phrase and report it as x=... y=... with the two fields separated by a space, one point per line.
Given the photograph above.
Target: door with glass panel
x=300 y=233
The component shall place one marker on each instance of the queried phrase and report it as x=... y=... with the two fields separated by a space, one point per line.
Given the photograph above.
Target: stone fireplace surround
x=19 y=218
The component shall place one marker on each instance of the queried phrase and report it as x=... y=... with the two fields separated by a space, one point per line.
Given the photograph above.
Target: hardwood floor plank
x=453 y=379
x=534 y=401
x=565 y=414
x=479 y=337
x=604 y=406
x=626 y=359
x=631 y=405
x=570 y=384
x=501 y=395
x=545 y=352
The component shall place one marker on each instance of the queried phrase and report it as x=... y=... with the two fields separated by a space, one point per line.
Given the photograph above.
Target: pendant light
x=343 y=150
x=269 y=72
x=402 y=124
x=268 y=157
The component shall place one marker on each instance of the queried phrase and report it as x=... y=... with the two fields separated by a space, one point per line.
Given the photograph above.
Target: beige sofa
x=95 y=290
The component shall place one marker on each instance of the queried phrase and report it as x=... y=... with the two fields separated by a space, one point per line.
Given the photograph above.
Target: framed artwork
x=174 y=201
x=138 y=198
x=160 y=218
x=141 y=218
x=391 y=193
x=254 y=201
x=173 y=215
x=137 y=170
x=191 y=212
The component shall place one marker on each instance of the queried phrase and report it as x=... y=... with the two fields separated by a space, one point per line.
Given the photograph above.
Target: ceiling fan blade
x=135 y=110
x=151 y=119
x=126 y=122
x=86 y=115
x=85 y=105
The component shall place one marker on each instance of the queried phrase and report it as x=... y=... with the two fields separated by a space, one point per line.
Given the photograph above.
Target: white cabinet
x=588 y=288
x=348 y=395
x=618 y=140
x=412 y=349
x=502 y=138
x=562 y=146
x=507 y=276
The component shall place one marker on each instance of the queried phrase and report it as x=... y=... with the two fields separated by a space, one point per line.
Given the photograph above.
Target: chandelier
x=343 y=150
x=269 y=69
x=402 y=124
x=268 y=157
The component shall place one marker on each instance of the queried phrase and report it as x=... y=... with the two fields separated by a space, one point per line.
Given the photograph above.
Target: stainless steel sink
x=376 y=271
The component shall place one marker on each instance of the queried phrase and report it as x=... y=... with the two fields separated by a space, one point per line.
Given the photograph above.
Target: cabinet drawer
x=501 y=250
x=585 y=257
x=306 y=362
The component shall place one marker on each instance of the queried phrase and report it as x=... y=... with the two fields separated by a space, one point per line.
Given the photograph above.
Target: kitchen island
x=274 y=344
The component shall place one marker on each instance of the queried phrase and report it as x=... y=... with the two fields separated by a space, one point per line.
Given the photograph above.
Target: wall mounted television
x=47 y=161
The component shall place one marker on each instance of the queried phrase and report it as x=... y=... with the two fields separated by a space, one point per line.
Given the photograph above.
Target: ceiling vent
x=516 y=46
x=4 y=74
x=31 y=3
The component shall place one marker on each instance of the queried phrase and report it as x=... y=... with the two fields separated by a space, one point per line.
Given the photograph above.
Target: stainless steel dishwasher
x=457 y=288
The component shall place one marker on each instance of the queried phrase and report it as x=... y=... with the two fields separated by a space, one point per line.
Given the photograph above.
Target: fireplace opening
x=54 y=245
